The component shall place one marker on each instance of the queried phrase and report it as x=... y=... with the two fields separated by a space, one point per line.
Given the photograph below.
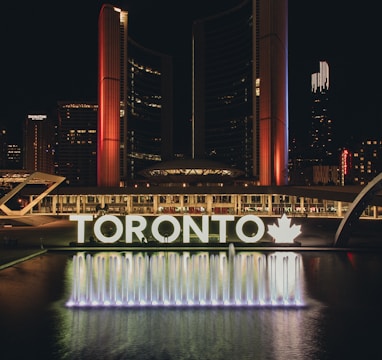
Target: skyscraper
x=112 y=61
x=321 y=135
x=366 y=161
x=3 y=148
x=240 y=97
x=149 y=109
x=38 y=143
x=76 y=151
x=135 y=102
x=240 y=88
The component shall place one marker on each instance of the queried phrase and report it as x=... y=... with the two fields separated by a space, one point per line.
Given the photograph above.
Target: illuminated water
x=340 y=319
x=184 y=279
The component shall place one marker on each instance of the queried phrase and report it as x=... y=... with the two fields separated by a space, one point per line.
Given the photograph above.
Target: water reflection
x=187 y=333
x=341 y=318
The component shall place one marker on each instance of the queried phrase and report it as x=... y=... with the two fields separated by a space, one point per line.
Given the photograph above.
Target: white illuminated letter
x=168 y=237
x=118 y=232
x=222 y=225
x=260 y=228
x=188 y=222
x=81 y=225
x=130 y=228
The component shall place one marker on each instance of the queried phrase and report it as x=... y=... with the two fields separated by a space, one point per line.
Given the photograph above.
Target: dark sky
x=49 y=53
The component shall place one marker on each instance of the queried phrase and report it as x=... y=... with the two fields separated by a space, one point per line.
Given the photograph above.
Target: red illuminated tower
x=272 y=40
x=135 y=103
x=112 y=52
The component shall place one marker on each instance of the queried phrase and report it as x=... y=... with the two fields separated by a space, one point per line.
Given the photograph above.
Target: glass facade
x=223 y=89
x=149 y=109
x=76 y=143
x=240 y=82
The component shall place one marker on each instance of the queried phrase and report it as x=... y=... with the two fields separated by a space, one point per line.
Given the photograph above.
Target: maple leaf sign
x=283 y=232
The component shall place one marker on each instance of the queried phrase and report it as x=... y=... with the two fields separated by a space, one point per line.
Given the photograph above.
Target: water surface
x=341 y=319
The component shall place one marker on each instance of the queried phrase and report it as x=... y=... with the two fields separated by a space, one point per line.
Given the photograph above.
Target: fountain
x=126 y=279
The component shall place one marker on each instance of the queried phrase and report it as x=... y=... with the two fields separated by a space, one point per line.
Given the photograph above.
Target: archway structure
x=355 y=210
x=50 y=182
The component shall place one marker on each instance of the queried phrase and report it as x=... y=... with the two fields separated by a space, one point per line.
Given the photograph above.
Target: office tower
x=10 y=154
x=240 y=89
x=38 y=143
x=321 y=150
x=366 y=161
x=149 y=109
x=135 y=102
x=14 y=157
x=76 y=148
x=3 y=148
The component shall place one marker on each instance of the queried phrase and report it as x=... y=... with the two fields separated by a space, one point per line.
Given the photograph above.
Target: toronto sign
x=109 y=229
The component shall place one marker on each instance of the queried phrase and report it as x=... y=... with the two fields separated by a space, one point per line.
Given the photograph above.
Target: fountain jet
x=126 y=279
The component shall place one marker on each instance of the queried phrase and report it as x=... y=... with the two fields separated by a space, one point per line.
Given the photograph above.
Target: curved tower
x=240 y=89
x=135 y=98
x=149 y=109
x=112 y=45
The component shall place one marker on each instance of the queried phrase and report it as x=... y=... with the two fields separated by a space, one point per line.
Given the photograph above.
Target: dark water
x=342 y=318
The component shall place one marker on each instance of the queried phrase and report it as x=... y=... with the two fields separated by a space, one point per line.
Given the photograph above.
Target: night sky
x=49 y=53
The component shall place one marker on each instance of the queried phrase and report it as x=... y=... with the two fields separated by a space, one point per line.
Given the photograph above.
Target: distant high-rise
x=321 y=150
x=14 y=156
x=240 y=89
x=38 y=143
x=10 y=154
x=3 y=148
x=135 y=102
x=76 y=150
x=367 y=161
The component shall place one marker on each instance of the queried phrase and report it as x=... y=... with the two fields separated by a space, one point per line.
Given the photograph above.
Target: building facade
x=321 y=133
x=3 y=148
x=149 y=110
x=14 y=156
x=135 y=102
x=76 y=143
x=112 y=66
x=366 y=161
x=240 y=89
x=38 y=143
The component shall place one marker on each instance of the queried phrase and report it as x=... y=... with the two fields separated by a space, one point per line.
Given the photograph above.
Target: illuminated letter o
x=155 y=228
x=101 y=237
x=260 y=228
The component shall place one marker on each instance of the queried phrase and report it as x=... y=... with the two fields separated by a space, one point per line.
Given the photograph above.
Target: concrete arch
x=50 y=181
x=356 y=208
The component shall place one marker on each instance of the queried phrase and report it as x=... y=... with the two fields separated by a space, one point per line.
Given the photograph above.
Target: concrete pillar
x=78 y=204
x=339 y=208
x=54 y=204
x=155 y=204
x=270 y=204
x=209 y=204
x=238 y=204
x=302 y=204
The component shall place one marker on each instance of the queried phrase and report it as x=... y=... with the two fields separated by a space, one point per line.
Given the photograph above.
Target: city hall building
x=238 y=111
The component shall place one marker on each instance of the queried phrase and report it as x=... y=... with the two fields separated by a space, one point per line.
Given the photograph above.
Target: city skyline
x=45 y=71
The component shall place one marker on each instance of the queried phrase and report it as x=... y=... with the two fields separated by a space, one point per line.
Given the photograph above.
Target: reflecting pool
x=340 y=318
